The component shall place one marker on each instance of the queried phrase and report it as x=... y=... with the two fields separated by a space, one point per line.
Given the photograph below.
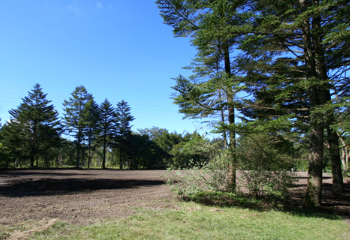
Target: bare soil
x=331 y=203
x=78 y=196
x=86 y=196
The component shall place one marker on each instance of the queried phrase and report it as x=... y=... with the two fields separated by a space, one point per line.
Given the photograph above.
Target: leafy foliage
x=266 y=164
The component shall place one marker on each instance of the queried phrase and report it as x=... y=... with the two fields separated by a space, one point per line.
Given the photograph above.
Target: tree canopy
x=290 y=57
x=34 y=127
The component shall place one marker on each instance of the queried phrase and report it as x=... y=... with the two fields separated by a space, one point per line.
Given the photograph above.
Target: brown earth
x=84 y=196
x=78 y=196
x=332 y=203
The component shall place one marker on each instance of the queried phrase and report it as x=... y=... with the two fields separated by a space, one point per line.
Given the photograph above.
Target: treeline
x=97 y=135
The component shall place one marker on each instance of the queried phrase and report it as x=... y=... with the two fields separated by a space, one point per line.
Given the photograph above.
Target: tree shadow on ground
x=48 y=187
x=334 y=206
x=35 y=172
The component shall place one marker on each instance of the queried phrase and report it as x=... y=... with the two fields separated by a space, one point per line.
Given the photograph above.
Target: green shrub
x=262 y=171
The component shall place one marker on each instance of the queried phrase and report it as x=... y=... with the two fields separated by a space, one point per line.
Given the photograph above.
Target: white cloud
x=99 y=5
x=75 y=7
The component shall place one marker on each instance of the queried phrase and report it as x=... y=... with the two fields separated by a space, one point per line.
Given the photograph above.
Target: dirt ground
x=85 y=196
x=78 y=196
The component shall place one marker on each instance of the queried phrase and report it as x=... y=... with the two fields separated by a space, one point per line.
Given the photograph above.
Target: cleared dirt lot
x=78 y=196
x=84 y=196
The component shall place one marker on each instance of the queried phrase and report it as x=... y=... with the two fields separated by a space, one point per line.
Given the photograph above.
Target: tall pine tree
x=211 y=90
x=75 y=120
x=34 y=125
x=106 y=125
x=92 y=116
x=315 y=36
x=123 y=129
x=310 y=37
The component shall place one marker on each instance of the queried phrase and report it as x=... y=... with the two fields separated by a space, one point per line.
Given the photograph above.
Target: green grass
x=188 y=220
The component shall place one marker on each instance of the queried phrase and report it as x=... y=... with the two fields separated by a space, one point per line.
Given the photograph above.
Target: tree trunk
x=78 y=148
x=89 y=158
x=345 y=153
x=31 y=161
x=231 y=118
x=104 y=152
x=89 y=151
x=224 y=135
x=337 y=174
x=315 y=69
x=120 y=158
x=33 y=146
x=313 y=194
x=324 y=98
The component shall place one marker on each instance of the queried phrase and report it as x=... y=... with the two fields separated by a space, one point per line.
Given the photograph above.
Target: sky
x=117 y=49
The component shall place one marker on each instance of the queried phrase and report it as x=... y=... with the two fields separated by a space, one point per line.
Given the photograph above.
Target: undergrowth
x=225 y=199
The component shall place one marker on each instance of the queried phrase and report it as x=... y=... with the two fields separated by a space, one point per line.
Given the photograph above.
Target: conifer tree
x=106 y=125
x=123 y=129
x=315 y=33
x=211 y=90
x=92 y=116
x=308 y=39
x=14 y=140
x=75 y=120
x=34 y=125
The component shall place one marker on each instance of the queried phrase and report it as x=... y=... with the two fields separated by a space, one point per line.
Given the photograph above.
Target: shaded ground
x=332 y=203
x=78 y=196
x=84 y=196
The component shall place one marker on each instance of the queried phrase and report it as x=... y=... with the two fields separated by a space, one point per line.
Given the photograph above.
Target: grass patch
x=189 y=220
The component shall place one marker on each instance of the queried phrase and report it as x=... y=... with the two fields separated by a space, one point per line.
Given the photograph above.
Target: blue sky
x=117 y=49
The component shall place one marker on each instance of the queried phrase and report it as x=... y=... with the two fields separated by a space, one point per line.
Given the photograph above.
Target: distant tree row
x=90 y=123
x=98 y=136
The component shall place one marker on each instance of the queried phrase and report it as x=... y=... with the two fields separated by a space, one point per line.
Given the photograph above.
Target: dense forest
x=92 y=135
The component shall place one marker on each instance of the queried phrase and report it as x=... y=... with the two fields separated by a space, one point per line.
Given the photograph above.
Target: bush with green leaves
x=201 y=177
x=263 y=169
x=265 y=164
